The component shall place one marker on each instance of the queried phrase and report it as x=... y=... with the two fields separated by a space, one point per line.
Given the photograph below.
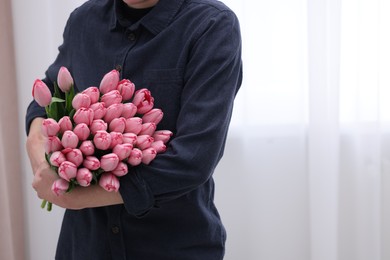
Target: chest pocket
x=166 y=87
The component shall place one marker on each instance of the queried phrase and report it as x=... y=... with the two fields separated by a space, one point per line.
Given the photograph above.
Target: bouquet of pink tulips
x=95 y=135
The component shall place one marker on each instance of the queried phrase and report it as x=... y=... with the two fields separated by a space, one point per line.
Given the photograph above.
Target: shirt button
x=115 y=229
x=131 y=36
x=118 y=67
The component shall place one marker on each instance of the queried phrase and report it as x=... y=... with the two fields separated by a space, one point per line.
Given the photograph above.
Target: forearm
x=35 y=144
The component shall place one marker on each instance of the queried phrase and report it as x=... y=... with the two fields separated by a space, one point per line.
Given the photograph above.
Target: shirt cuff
x=136 y=194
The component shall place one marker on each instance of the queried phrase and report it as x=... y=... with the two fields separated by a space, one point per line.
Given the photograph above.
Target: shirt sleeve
x=213 y=76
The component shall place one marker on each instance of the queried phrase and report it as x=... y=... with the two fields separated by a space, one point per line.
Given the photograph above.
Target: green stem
x=46 y=203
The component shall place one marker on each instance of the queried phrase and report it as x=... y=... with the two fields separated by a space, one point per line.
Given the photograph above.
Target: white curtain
x=305 y=171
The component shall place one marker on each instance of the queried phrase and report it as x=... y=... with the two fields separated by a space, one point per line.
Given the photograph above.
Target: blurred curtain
x=306 y=170
x=11 y=204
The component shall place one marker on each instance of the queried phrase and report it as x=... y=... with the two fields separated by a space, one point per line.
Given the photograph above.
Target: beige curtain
x=12 y=246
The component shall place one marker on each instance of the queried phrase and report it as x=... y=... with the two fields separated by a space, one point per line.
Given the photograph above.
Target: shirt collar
x=156 y=20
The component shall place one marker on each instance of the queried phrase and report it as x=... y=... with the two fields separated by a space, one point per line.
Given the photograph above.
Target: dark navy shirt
x=188 y=54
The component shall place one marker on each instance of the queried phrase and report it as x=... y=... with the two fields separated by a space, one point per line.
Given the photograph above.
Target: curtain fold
x=12 y=234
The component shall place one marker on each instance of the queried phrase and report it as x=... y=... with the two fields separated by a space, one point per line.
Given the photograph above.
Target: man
x=188 y=54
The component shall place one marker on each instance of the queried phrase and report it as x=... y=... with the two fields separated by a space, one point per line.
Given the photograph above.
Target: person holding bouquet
x=188 y=54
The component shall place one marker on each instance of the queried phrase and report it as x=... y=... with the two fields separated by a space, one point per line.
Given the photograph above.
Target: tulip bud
x=59 y=186
x=52 y=144
x=109 y=162
x=112 y=97
x=82 y=131
x=67 y=170
x=143 y=100
x=81 y=100
x=163 y=135
x=102 y=140
x=153 y=116
x=109 y=81
x=99 y=110
x=57 y=158
x=109 y=182
x=65 y=124
x=116 y=138
x=41 y=93
x=93 y=93
x=144 y=141
x=83 y=115
x=133 y=125
x=91 y=162
x=84 y=177
x=135 y=157
x=117 y=125
x=75 y=156
x=69 y=139
x=50 y=127
x=159 y=146
x=148 y=129
x=113 y=111
x=126 y=89
x=97 y=125
x=123 y=150
x=120 y=170
x=129 y=110
x=87 y=148
x=64 y=79
x=129 y=138
x=148 y=155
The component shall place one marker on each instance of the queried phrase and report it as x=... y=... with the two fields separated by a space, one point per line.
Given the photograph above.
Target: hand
x=35 y=144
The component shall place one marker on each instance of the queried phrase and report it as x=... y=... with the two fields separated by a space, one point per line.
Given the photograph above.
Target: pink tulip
x=148 y=129
x=87 y=147
x=84 y=177
x=116 y=138
x=109 y=81
x=159 y=146
x=98 y=125
x=41 y=93
x=143 y=100
x=69 y=139
x=112 y=97
x=109 y=162
x=50 y=127
x=83 y=115
x=64 y=79
x=153 y=116
x=65 y=124
x=148 y=155
x=52 y=144
x=99 y=110
x=93 y=93
x=82 y=131
x=129 y=110
x=67 y=170
x=144 y=141
x=113 y=111
x=102 y=140
x=117 y=125
x=109 y=182
x=133 y=125
x=57 y=158
x=163 y=135
x=59 y=186
x=121 y=169
x=126 y=89
x=75 y=156
x=122 y=150
x=81 y=100
x=129 y=138
x=135 y=157
x=91 y=162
